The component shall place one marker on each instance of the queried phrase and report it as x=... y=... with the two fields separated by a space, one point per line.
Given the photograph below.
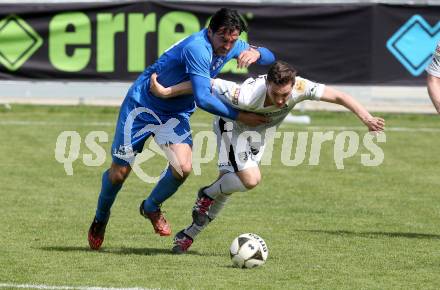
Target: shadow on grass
x=375 y=234
x=117 y=251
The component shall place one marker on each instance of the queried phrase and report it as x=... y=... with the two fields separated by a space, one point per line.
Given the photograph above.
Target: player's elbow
x=267 y=61
x=338 y=99
x=266 y=56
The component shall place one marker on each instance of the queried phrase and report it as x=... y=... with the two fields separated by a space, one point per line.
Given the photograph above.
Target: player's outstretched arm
x=332 y=95
x=434 y=91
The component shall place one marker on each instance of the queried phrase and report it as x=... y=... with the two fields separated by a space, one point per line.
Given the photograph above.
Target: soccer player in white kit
x=240 y=147
x=433 y=80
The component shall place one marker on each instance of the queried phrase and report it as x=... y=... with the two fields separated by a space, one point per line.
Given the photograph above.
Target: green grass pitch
x=357 y=228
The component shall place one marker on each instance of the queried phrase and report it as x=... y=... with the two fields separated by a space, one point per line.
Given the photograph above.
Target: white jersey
x=237 y=151
x=434 y=66
x=250 y=96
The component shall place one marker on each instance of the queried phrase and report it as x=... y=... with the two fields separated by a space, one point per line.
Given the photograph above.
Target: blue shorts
x=136 y=123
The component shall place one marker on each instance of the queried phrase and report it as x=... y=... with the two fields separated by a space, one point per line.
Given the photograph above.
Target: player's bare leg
x=179 y=156
x=250 y=177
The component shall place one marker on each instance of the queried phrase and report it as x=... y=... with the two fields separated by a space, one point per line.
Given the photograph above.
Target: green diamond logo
x=18 y=41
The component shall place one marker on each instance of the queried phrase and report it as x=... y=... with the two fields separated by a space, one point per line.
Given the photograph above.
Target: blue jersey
x=192 y=55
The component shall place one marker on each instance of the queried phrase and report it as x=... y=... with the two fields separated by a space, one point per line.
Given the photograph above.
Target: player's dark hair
x=228 y=19
x=281 y=73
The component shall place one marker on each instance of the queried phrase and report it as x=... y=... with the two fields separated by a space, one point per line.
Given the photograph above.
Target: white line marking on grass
x=361 y=128
x=45 y=123
x=32 y=286
x=105 y=124
x=205 y=125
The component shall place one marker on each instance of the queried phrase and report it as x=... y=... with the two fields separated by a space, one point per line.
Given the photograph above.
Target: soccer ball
x=248 y=251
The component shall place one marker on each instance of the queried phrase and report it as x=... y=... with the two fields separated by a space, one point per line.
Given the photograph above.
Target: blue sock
x=165 y=188
x=106 y=197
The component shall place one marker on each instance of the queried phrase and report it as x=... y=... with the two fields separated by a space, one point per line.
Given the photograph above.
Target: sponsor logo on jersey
x=217 y=63
x=300 y=86
x=235 y=96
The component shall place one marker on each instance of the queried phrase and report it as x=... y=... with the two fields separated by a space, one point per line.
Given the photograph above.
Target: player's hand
x=157 y=89
x=375 y=124
x=252 y=119
x=248 y=57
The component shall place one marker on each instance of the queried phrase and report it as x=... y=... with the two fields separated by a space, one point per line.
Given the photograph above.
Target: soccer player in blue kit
x=197 y=58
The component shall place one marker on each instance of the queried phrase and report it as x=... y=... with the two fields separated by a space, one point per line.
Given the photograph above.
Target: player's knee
x=118 y=174
x=118 y=177
x=183 y=171
x=252 y=180
x=186 y=169
x=250 y=183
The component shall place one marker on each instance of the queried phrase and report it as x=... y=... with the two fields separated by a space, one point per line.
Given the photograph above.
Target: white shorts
x=237 y=149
